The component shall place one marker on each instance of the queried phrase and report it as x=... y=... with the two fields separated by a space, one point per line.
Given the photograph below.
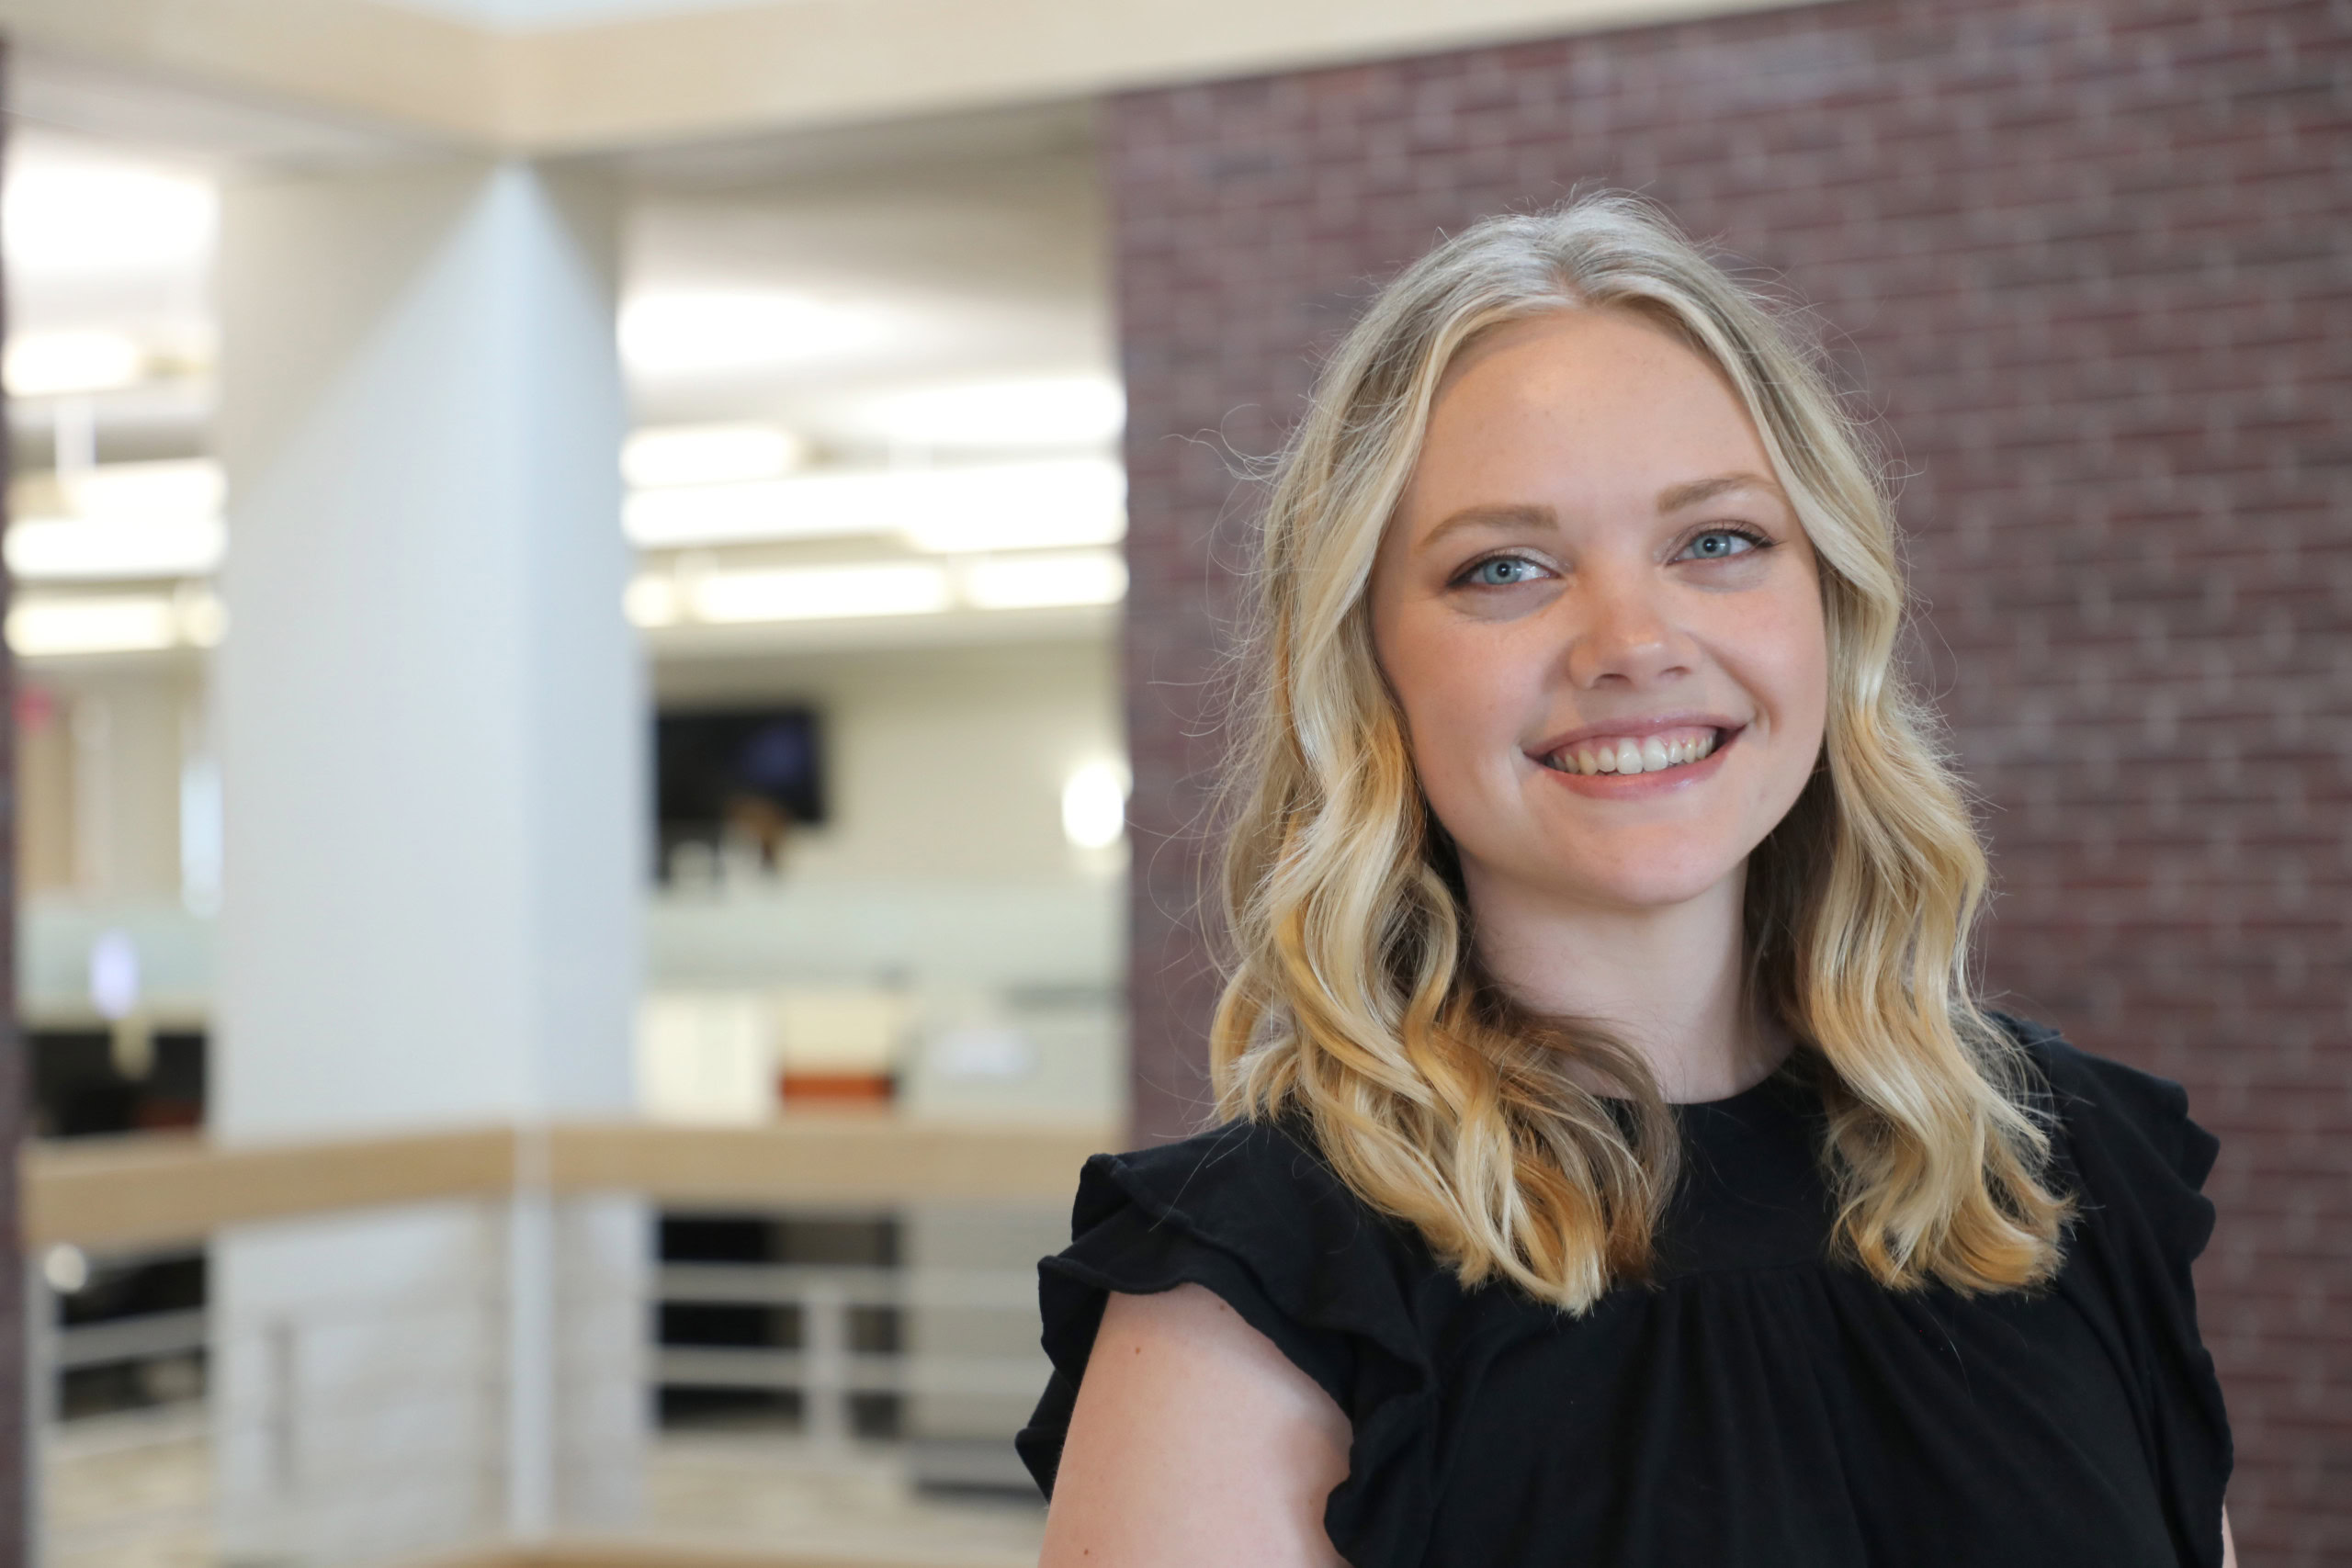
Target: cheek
x=1791 y=661
x=1456 y=695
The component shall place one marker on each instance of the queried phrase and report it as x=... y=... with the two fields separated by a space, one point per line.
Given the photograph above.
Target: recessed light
x=699 y=332
x=65 y=363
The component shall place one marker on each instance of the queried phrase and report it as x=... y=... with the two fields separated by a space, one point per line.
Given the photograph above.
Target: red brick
x=2089 y=258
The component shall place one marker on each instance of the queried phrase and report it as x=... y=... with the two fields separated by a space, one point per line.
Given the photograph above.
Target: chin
x=1644 y=882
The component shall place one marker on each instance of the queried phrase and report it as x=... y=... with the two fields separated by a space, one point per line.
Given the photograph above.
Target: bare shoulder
x=1184 y=1401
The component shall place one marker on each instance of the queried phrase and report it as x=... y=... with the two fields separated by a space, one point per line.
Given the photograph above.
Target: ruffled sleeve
x=1252 y=1213
x=2138 y=1165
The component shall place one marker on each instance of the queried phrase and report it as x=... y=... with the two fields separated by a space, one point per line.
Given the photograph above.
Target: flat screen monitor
x=746 y=774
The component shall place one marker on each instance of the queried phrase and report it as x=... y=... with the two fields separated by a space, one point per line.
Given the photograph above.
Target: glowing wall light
x=1095 y=805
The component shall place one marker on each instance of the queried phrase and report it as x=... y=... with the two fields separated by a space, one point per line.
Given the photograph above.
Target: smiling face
x=1601 y=618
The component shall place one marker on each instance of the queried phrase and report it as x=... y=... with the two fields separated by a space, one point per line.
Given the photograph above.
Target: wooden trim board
x=156 y=1189
x=824 y=1160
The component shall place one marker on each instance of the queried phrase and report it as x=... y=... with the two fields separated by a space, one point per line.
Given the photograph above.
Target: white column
x=430 y=742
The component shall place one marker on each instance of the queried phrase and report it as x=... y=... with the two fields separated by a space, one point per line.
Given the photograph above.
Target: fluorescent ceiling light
x=961 y=509
x=45 y=365
x=181 y=489
x=72 y=217
x=1032 y=412
x=695 y=332
x=810 y=593
x=123 y=623
x=68 y=549
x=709 y=454
x=719 y=514
x=128 y=520
x=1043 y=581
x=1020 y=506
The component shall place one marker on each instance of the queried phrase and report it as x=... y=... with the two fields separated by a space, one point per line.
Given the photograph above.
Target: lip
x=1642 y=786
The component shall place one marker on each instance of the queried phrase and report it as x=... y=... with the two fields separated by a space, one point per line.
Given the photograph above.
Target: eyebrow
x=1520 y=516
x=1674 y=498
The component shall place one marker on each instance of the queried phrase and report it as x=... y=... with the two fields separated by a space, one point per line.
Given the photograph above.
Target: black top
x=1758 y=1404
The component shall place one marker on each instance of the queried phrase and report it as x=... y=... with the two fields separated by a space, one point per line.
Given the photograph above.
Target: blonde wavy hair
x=1354 y=1000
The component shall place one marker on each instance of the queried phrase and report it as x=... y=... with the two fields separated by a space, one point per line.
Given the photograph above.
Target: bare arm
x=1194 y=1441
x=2229 y=1547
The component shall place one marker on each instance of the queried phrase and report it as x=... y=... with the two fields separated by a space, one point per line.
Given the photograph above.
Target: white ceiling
x=964 y=255
x=988 y=268
x=963 y=251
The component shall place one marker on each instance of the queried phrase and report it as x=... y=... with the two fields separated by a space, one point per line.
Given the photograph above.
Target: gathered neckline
x=1762 y=1088
x=1765 y=1088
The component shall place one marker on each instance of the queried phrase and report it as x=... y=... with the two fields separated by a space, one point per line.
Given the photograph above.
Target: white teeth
x=1650 y=754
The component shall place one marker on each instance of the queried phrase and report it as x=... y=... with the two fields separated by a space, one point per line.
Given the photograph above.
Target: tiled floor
x=741 y=1491
x=134 y=1491
x=130 y=1491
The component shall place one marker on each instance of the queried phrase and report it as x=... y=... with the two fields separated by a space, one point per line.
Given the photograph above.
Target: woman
x=1617 y=1168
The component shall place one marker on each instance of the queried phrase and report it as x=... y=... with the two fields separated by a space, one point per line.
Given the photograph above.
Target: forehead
x=1586 y=403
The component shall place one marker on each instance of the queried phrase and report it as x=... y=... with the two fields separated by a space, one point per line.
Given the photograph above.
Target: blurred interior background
x=616 y=618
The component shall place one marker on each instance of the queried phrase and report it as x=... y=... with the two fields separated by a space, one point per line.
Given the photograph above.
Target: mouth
x=1658 y=752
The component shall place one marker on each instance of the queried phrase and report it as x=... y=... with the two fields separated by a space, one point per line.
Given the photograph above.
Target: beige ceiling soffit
x=346 y=56
x=805 y=62
x=771 y=65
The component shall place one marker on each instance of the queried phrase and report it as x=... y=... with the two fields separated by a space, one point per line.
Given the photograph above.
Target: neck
x=1669 y=982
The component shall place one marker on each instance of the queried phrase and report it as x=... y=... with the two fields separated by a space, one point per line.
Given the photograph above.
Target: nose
x=1621 y=632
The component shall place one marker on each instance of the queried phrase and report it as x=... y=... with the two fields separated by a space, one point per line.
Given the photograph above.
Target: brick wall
x=2091 y=259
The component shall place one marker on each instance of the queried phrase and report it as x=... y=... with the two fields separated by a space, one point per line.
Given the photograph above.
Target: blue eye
x=1502 y=572
x=1721 y=544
